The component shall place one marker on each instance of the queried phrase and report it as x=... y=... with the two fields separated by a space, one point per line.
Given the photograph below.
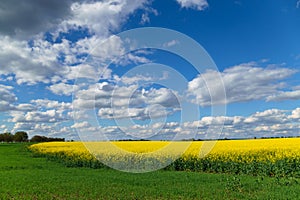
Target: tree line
x=22 y=136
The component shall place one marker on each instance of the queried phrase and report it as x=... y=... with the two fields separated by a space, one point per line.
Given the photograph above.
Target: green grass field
x=24 y=176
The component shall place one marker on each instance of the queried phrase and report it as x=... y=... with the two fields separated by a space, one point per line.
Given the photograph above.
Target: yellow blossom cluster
x=147 y=153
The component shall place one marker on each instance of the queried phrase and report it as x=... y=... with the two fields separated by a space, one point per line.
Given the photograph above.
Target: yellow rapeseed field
x=228 y=150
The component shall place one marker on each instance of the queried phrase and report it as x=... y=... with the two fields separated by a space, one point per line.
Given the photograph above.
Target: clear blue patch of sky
x=233 y=32
x=162 y=57
x=72 y=35
x=249 y=108
x=26 y=93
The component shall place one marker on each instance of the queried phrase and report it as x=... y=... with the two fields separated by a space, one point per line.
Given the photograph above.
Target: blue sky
x=69 y=69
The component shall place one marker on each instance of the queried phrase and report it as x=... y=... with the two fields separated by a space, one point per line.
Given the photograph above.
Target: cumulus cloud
x=133 y=79
x=171 y=43
x=40 y=116
x=86 y=71
x=193 y=4
x=49 y=116
x=8 y=102
x=41 y=61
x=50 y=130
x=25 y=107
x=26 y=17
x=103 y=95
x=144 y=113
x=103 y=50
x=23 y=126
x=115 y=101
x=268 y=123
x=101 y=47
x=273 y=116
x=295 y=114
x=162 y=96
x=78 y=125
x=282 y=96
x=63 y=89
x=7 y=98
x=101 y=17
x=50 y=104
x=145 y=18
x=242 y=83
x=31 y=65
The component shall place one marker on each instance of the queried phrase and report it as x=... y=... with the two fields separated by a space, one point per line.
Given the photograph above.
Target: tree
x=20 y=136
x=8 y=137
x=37 y=138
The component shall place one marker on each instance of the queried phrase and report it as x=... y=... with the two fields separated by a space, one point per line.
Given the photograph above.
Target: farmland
x=27 y=176
x=266 y=157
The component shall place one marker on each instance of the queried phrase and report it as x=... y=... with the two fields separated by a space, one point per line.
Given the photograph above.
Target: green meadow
x=25 y=176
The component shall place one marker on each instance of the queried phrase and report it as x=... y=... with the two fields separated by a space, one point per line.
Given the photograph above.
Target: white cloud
x=6 y=78
x=23 y=126
x=87 y=71
x=50 y=104
x=268 y=123
x=49 y=116
x=81 y=125
x=193 y=4
x=101 y=17
x=25 y=107
x=131 y=58
x=298 y=4
x=242 y=83
x=148 y=112
x=63 y=89
x=101 y=47
x=44 y=128
x=171 y=43
x=30 y=64
x=109 y=113
x=40 y=116
x=130 y=101
x=40 y=63
x=295 y=114
x=129 y=80
x=282 y=96
x=272 y=116
x=145 y=18
x=104 y=50
x=7 y=98
x=50 y=130
x=162 y=96
x=40 y=60
x=22 y=18
x=103 y=95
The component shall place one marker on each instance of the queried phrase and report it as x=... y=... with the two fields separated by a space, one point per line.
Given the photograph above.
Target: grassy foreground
x=26 y=177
